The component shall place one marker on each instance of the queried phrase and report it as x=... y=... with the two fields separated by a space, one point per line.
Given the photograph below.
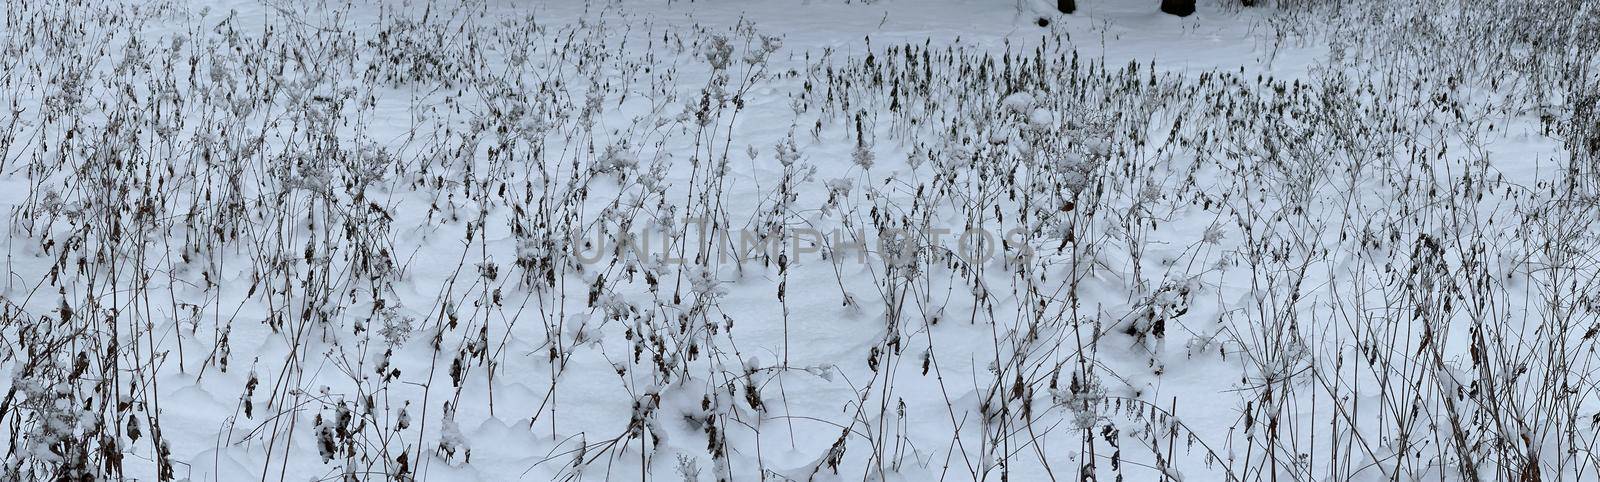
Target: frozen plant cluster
x=430 y=240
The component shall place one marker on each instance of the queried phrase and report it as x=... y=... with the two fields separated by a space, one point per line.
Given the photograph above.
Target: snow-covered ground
x=799 y=240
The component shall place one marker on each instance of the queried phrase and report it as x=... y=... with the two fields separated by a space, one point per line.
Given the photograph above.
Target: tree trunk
x=1181 y=8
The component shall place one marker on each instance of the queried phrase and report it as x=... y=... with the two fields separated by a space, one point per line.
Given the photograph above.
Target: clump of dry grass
x=231 y=209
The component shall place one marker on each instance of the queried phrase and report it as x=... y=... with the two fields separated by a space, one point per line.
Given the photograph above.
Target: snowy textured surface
x=295 y=240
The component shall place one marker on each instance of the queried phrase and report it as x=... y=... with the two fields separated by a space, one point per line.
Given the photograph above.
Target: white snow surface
x=930 y=366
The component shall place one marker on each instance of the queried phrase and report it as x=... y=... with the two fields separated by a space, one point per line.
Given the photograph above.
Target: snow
x=387 y=246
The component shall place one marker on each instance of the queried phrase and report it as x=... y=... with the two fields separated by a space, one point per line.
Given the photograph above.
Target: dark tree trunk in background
x=1181 y=8
x=1066 y=6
